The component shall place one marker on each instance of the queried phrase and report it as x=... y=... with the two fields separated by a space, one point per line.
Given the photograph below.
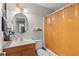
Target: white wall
x=0 y=15
x=35 y=19
x=1 y=33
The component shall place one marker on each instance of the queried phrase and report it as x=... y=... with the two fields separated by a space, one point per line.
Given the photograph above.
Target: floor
x=43 y=52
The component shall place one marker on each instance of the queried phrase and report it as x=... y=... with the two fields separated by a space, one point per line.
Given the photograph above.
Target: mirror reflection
x=20 y=23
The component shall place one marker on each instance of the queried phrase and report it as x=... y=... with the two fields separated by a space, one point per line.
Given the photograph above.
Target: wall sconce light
x=24 y=10
x=18 y=9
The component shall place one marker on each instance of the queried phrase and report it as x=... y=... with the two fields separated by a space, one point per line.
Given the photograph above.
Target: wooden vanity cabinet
x=24 y=50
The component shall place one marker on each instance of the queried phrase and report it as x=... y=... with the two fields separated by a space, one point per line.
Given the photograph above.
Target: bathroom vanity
x=26 y=48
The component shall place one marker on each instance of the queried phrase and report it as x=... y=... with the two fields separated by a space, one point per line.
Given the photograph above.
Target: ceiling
x=37 y=8
x=52 y=6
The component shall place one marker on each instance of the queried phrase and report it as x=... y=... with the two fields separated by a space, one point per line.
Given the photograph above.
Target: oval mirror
x=20 y=23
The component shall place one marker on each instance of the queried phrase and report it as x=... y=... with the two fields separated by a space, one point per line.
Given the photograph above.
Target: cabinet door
x=24 y=50
x=14 y=51
x=30 y=52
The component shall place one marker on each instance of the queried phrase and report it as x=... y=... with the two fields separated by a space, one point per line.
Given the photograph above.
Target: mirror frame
x=17 y=15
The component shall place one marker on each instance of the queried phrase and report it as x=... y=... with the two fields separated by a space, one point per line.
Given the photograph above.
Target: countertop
x=10 y=44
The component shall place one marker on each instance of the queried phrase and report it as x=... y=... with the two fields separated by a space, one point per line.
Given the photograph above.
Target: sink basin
x=22 y=43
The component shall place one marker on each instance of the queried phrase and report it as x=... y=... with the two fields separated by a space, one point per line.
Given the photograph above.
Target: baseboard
x=52 y=53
